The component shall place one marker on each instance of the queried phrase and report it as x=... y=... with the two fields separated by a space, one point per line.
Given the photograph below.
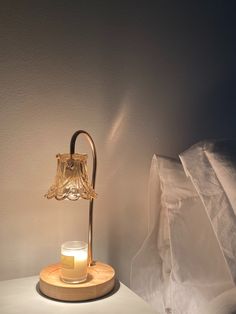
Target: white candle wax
x=74 y=263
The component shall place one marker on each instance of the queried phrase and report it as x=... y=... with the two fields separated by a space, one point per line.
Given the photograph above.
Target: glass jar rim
x=74 y=245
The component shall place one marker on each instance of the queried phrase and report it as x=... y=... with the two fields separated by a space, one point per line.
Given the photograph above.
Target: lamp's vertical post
x=90 y=227
x=90 y=235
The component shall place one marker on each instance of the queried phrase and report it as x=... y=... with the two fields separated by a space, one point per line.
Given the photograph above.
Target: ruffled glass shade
x=71 y=180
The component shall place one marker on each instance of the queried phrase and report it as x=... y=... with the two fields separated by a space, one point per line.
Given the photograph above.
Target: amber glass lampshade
x=71 y=180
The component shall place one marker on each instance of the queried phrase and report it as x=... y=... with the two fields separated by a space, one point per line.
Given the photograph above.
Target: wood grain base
x=100 y=281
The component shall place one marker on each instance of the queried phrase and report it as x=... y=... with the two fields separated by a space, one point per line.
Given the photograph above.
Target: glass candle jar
x=74 y=256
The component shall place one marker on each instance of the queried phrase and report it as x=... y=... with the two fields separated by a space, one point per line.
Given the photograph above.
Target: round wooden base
x=100 y=281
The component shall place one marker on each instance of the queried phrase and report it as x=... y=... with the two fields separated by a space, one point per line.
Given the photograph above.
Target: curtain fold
x=188 y=257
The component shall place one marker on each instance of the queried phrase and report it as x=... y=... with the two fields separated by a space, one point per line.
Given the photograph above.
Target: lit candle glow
x=74 y=256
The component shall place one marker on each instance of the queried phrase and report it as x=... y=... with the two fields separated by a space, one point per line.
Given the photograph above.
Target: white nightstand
x=21 y=296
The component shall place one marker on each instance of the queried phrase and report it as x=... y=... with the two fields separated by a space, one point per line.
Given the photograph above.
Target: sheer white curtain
x=189 y=255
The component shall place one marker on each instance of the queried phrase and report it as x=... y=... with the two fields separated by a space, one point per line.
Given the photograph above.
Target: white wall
x=140 y=78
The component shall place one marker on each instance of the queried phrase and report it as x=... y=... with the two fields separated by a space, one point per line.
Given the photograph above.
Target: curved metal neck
x=72 y=151
x=93 y=148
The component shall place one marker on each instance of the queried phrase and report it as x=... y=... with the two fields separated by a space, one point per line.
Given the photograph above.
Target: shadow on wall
x=215 y=115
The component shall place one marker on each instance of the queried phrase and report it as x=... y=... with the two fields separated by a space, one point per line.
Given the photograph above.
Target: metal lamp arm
x=72 y=151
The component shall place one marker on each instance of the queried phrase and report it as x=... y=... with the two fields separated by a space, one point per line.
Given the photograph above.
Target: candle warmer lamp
x=72 y=183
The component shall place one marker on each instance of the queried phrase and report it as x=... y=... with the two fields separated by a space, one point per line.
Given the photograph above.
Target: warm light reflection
x=118 y=124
